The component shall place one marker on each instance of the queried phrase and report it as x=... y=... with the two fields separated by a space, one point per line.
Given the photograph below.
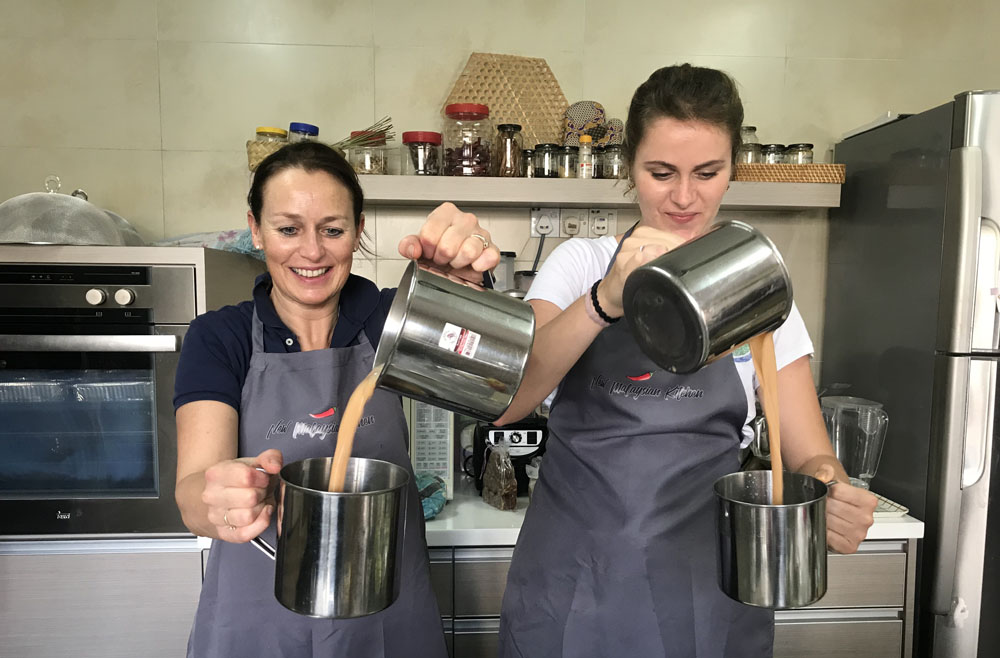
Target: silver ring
x=486 y=243
x=641 y=247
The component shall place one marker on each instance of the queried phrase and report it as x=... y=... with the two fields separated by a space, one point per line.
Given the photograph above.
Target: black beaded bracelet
x=597 y=307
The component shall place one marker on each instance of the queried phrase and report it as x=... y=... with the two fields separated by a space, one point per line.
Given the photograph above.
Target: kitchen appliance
x=857 y=430
x=771 y=556
x=339 y=555
x=432 y=441
x=699 y=301
x=453 y=344
x=911 y=321
x=525 y=440
x=89 y=342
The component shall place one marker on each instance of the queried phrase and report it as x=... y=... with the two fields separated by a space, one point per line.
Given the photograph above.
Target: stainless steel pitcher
x=454 y=345
x=772 y=556
x=697 y=302
x=339 y=555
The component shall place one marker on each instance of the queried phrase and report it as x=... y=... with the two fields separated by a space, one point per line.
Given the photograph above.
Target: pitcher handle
x=264 y=547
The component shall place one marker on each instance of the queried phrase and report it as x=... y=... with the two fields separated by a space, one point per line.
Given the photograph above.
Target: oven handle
x=93 y=343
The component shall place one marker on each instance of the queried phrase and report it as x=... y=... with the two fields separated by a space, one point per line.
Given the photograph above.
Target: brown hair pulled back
x=685 y=93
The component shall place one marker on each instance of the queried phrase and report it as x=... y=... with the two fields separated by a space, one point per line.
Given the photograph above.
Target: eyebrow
x=703 y=165
x=298 y=218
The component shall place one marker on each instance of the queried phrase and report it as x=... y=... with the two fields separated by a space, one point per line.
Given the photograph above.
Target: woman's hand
x=453 y=240
x=645 y=244
x=237 y=493
x=849 y=512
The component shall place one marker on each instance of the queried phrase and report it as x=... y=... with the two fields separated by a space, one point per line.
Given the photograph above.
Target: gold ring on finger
x=225 y=519
x=486 y=243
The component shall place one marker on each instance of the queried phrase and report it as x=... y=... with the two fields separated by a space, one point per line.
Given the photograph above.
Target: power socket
x=603 y=222
x=572 y=222
x=545 y=221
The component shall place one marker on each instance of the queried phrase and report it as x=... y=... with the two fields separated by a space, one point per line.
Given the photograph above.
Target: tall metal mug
x=339 y=555
x=454 y=345
x=771 y=556
x=697 y=302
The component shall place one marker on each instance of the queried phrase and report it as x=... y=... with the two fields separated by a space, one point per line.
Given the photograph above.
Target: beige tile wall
x=147 y=104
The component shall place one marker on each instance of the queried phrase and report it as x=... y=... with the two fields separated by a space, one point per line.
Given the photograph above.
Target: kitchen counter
x=468 y=521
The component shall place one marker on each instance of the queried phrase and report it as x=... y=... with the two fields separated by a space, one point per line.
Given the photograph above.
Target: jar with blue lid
x=302 y=132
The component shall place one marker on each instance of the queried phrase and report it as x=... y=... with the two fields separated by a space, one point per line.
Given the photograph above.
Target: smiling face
x=308 y=236
x=681 y=171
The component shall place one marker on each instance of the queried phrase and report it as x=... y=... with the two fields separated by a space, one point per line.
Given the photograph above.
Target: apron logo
x=324 y=414
x=314 y=431
x=635 y=389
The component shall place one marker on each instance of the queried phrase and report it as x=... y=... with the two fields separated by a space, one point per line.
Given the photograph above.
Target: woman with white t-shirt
x=616 y=556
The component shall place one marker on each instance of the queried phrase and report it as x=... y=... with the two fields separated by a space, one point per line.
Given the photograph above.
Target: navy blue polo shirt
x=215 y=355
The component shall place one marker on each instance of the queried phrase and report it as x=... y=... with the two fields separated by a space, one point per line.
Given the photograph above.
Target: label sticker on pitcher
x=460 y=340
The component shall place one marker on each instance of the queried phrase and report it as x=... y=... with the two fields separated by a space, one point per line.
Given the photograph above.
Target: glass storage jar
x=749 y=154
x=799 y=154
x=748 y=135
x=420 y=154
x=528 y=163
x=271 y=134
x=302 y=132
x=567 y=158
x=546 y=165
x=468 y=136
x=773 y=153
x=599 y=161
x=613 y=162
x=367 y=157
x=507 y=151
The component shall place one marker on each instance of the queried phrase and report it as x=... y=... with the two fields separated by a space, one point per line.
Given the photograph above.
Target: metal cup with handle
x=697 y=302
x=772 y=556
x=454 y=345
x=339 y=555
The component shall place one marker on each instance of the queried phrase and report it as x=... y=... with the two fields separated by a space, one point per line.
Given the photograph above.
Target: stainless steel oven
x=89 y=342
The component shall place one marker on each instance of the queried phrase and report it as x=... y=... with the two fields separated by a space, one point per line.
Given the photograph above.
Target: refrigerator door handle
x=985 y=318
x=979 y=416
x=950 y=414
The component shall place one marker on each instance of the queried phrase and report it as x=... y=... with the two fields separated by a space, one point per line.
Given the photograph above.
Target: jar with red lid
x=367 y=154
x=468 y=136
x=420 y=154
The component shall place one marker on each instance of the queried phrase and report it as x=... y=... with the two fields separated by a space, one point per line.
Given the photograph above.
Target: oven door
x=87 y=438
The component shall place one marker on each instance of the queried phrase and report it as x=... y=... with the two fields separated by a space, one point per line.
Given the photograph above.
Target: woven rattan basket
x=519 y=90
x=257 y=151
x=790 y=173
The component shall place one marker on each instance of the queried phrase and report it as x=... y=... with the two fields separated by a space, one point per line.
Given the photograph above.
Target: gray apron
x=617 y=554
x=238 y=614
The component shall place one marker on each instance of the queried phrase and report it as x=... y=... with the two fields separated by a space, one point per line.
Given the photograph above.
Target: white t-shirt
x=572 y=267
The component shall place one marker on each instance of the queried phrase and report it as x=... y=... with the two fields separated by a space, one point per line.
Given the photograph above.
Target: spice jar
x=599 y=161
x=613 y=162
x=545 y=161
x=507 y=151
x=528 y=163
x=270 y=134
x=748 y=135
x=799 y=154
x=367 y=157
x=773 y=153
x=420 y=154
x=302 y=132
x=468 y=134
x=567 y=161
x=749 y=154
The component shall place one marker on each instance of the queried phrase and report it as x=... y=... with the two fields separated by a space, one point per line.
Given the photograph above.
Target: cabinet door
x=874 y=576
x=838 y=634
x=480 y=580
x=117 y=605
x=476 y=638
x=442 y=578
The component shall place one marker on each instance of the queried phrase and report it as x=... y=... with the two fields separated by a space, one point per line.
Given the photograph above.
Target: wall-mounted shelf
x=570 y=192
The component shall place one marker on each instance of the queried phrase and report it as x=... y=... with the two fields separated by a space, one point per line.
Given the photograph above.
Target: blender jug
x=857 y=430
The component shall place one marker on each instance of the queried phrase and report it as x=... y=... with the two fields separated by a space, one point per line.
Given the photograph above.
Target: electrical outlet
x=603 y=222
x=572 y=222
x=545 y=221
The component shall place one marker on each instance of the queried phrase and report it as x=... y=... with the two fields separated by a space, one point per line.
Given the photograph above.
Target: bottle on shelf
x=585 y=158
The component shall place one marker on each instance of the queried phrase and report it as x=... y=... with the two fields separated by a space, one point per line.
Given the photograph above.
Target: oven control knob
x=96 y=296
x=124 y=296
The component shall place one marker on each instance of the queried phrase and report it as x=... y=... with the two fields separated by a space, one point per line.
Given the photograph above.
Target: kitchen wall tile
x=126 y=182
x=724 y=27
x=364 y=266
x=389 y=272
x=307 y=22
x=91 y=19
x=517 y=27
x=79 y=93
x=214 y=95
x=204 y=191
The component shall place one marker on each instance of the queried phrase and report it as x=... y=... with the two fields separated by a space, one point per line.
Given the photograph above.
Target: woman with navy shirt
x=264 y=383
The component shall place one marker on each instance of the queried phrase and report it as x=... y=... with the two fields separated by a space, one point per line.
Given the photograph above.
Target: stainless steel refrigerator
x=912 y=322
